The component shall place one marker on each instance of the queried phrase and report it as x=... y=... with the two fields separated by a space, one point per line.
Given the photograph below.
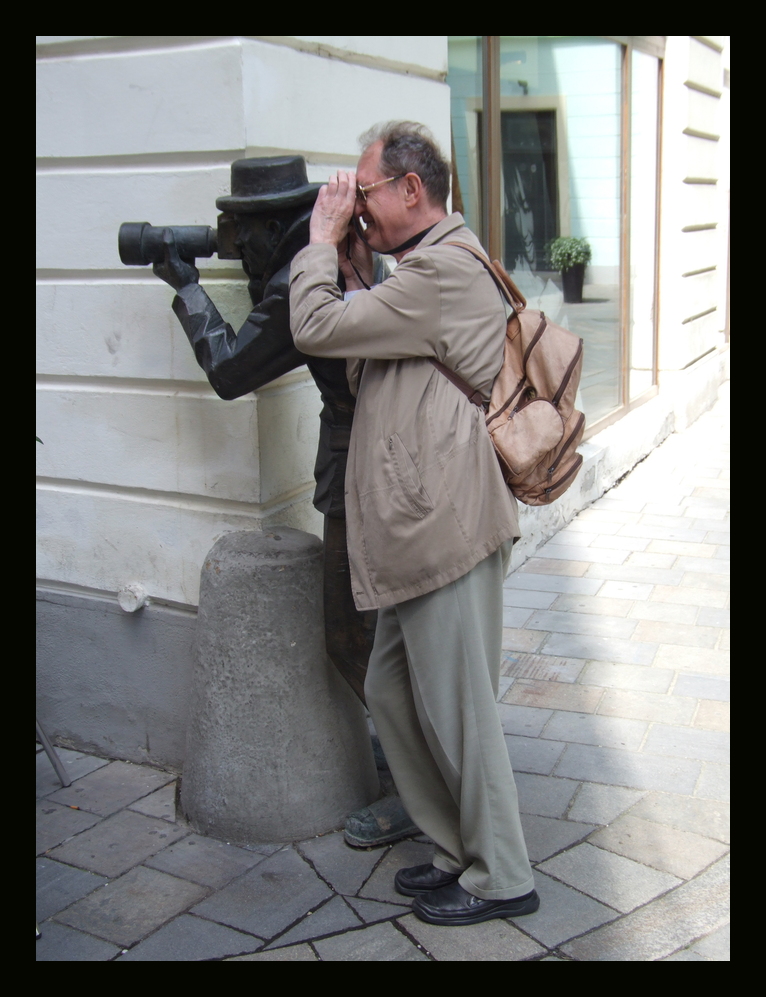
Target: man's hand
x=173 y=270
x=333 y=210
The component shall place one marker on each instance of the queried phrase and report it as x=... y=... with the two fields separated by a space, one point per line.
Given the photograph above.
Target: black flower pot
x=573 y=279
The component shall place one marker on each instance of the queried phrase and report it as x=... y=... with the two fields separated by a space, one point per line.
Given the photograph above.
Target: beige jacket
x=425 y=499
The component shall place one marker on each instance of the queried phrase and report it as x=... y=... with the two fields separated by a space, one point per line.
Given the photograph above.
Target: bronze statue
x=265 y=222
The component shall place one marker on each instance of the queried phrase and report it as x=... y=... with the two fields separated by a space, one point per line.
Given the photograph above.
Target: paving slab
x=583 y=623
x=377 y=943
x=637 y=678
x=546 y=667
x=626 y=652
x=372 y=911
x=712 y=715
x=664 y=926
x=205 y=861
x=191 y=939
x=57 y=943
x=117 y=844
x=76 y=763
x=703 y=687
x=714 y=782
x=611 y=879
x=60 y=885
x=601 y=804
x=55 y=823
x=642 y=559
x=564 y=913
x=698 y=660
x=595 y=605
x=522 y=640
x=616 y=767
x=545 y=836
x=554 y=695
x=346 y=869
x=161 y=803
x=649 y=706
x=627 y=591
x=131 y=907
x=547 y=582
x=587 y=728
x=664 y=612
x=112 y=787
x=515 y=616
x=554 y=566
x=295 y=953
x=533 y=754
x=709 y=818
x=331 y=918
x=380 y=886
x=684 y=742
x=715 y=947
x=545 y=796
x=635 y=573
x=526 y=599
x=269 y=898
x=490 y=941
x=681 y=853
x=524 y=720
x=686 y=595
x=676 y=633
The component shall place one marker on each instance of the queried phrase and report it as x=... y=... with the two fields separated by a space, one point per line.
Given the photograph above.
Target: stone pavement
x=614 y=701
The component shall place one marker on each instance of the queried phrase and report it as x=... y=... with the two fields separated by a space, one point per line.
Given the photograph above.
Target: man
x=430 y=520
x=270 y=207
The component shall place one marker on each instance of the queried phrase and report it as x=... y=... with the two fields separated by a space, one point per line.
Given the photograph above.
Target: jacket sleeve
x=397 y=319
x=236 y=364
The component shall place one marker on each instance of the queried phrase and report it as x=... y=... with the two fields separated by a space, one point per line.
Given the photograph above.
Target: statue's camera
x=140 y=243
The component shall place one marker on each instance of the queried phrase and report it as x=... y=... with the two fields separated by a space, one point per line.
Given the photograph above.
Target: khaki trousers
x=431 y=688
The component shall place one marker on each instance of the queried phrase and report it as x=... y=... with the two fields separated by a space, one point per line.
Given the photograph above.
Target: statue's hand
x=173 y=270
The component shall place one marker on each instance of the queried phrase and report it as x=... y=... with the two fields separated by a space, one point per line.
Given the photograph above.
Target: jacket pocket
x=408 y=478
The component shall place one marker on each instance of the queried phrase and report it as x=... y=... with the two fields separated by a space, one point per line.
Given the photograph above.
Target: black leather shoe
x=422 y=879
x=454 y=905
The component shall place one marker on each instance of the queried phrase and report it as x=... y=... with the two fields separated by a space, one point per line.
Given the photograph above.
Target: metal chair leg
x=50 y=751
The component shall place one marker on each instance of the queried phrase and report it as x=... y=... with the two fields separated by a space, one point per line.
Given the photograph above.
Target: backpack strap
x=512 y=295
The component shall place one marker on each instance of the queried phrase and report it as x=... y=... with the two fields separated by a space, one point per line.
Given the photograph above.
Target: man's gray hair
x=409 y=147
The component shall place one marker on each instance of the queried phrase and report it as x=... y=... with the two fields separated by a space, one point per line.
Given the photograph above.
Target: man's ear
x=276 y=230
x=413 y=189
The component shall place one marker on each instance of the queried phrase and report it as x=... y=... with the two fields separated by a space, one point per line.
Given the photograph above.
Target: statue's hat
x=267 y=183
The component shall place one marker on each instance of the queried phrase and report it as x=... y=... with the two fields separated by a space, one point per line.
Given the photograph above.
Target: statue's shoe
x=381 y=823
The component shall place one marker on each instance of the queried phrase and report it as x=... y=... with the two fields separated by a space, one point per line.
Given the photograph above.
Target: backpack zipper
x=557 y=398
x=562 y=451
x=572 y=470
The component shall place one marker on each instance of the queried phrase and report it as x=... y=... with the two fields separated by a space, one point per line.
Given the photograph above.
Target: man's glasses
x=361 y=192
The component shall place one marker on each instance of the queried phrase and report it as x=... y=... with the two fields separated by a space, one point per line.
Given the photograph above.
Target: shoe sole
x=414 y=891
x=508 y=909
x=384 y=839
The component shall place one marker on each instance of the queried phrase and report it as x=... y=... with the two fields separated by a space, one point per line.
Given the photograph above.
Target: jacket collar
x=446 y=227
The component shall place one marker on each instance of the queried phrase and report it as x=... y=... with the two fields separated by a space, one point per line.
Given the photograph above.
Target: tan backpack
x=531 y=417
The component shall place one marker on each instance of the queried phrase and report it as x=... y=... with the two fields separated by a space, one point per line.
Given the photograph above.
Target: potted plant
x=570 y=256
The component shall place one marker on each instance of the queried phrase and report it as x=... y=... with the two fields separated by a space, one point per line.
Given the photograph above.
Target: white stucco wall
x=143 y=467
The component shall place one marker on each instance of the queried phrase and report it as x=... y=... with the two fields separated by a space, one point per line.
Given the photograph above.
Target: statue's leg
x=349 y=634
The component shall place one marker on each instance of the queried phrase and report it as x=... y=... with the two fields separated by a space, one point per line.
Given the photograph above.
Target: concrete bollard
x=277 y=743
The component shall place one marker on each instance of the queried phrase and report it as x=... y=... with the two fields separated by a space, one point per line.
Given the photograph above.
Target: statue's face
x=258 y=235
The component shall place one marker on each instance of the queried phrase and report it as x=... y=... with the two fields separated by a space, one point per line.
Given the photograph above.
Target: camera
x=140 y=243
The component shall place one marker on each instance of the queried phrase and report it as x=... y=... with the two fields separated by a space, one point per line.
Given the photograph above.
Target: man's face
x=384 y=213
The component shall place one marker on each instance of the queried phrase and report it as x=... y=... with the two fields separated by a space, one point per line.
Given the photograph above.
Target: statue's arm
x=235 y=364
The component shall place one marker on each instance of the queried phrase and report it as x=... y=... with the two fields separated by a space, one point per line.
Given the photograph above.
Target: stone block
x=372 y=911
x=191 y=939
x=132 y=906
x=625 y=590
x=687 y=595
x=554 y=566
x=549 y=582
x=294 y=953
x=714 y=782
x=564 y=913
x=161 y=803
x=681 y=853
x=711 y=715
x=601 y=804
x=205 y=861
x=705 y=817
x=112 y=787
x=545 y=836
x=676 y=633
x=58 y=886
x=664 y=612
x=637 y=678
x=520 y=665
x=545 y=796
x=118 y=843
x=554 y=695
x=650 y=706
x=377 y=943
x=490 y=941
x=55 y=823
x=611 y=879
x=582 y=623
x=532 y=754
x=345 y=869
x=331 y=918
x=76 y=764
x=625 y=652
x=594 y=605
x=268 y=898
x=524 y=720
x=684 y=742
x=57 y=943
x=616 y=767
x=527 y=599
x=380 y=886
x=671 y=922
x=699 y=660
x=585 y=728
